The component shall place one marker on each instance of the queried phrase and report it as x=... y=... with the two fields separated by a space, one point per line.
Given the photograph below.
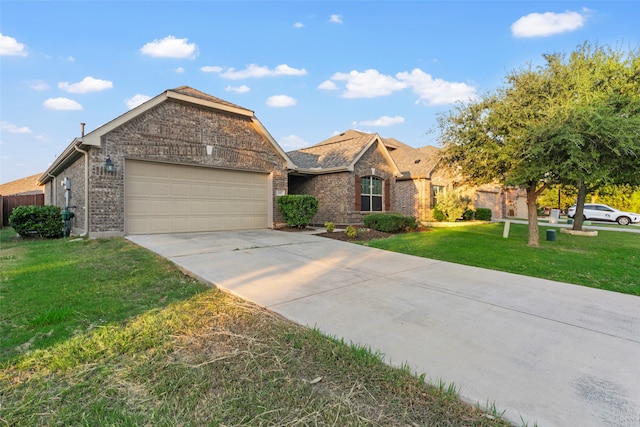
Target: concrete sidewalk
x=549 y=353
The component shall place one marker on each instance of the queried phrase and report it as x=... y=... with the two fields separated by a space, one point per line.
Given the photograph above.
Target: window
x=435 y=190
x=371 y=194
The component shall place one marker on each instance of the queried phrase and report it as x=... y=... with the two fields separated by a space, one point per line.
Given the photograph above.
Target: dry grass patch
x=218 y=360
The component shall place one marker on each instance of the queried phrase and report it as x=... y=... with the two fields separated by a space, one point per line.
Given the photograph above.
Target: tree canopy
x=575 y=119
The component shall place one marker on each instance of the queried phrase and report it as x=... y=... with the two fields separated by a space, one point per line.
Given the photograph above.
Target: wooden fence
x=9 y=203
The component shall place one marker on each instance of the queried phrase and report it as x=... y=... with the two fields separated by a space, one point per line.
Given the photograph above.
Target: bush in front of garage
x=41 y=221
x=297 y=209
x=483 y=214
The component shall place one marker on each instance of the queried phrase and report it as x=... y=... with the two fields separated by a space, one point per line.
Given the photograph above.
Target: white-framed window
x=435 y=191
x=371 y=194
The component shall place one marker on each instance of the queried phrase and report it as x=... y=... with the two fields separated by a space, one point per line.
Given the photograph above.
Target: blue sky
x=308 y=69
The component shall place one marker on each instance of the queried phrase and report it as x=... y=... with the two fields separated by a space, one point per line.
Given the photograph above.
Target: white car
x=601 y=212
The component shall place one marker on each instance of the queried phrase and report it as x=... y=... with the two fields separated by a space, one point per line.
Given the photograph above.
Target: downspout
x=86 y=188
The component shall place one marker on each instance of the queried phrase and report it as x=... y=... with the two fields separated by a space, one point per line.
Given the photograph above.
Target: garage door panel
x=168 y=198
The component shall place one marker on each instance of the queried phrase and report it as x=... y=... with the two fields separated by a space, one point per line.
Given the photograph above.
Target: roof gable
x=414 y=162
x=182 y=94
x=338 y=153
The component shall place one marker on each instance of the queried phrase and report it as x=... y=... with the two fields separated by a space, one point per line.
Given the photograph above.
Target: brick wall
x=413 y=198
x=55 y=193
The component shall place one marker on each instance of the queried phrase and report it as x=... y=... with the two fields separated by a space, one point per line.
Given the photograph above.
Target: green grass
x=102 y=332
x=62 y=288
x=610 y=261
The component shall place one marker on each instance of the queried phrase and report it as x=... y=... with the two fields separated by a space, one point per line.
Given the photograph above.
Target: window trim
x=370 y=195
x=434 y=194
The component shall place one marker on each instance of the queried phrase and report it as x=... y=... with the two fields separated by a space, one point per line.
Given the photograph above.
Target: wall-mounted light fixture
x=108 y=164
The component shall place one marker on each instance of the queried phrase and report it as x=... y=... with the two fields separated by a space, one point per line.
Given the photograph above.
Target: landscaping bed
x=363 y=235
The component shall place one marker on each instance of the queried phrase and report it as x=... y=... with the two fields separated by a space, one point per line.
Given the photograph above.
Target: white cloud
x=281 y=101
x=335 y=19
x=238 y=89
x=292 y=142
x=328 y=85
x=11 y=128
x=210 y=69
x=381 y=121
x=436 y=91
x=368 y=84
x=547 y=24
x=88 y=84
x=38 y=85
x=11 y=47
x=180 y=70
x=372 y=84
x=62 y=104
x=170 y=47
x=256 y=71
x=298 y=25
x=136 y=100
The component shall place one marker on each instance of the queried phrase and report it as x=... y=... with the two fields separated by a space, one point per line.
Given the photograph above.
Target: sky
x=308 y=69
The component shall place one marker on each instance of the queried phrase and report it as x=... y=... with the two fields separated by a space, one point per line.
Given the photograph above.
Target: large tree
x=492 y=139
x=597 y=126
x=571 y=120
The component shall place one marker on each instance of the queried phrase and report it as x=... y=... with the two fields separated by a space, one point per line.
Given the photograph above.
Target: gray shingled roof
x=413 y=162
x=342 y=150
x=189 y=91
x=339 y=151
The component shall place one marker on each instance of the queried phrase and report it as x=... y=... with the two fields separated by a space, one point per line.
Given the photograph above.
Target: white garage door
x=168 y=198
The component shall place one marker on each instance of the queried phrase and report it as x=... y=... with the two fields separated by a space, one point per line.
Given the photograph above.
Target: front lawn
x=609 y=261
x=105 y=333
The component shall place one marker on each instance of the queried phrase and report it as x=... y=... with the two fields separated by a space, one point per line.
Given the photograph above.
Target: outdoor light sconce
x=109 y=165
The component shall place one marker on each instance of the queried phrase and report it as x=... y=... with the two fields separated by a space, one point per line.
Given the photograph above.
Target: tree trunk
x=532 y=215
x=578 y=219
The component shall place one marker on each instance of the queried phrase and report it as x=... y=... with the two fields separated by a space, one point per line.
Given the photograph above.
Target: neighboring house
x=21 y=192
x=22 y=186
x=356 y=173
x=183 y=161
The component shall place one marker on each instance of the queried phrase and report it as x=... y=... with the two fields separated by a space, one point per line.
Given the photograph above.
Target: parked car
x=601 y=212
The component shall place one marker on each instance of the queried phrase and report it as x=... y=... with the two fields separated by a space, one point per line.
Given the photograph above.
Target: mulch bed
x=364 y=234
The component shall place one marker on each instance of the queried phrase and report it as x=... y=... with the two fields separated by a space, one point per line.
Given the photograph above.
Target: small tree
x=451 y=205
x=297 y=209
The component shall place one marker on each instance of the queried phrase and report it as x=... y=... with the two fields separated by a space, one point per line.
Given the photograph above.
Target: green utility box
x=67 y=215
x=551 y=235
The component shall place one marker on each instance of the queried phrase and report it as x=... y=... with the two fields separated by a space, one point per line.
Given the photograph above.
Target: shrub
x=390 y=222
x=452 y=205
x=351 y=232
x=483 y=214
x=297 y=209
x=43 y=221
x=330 y=226
x=468 y=215
x=437 y=214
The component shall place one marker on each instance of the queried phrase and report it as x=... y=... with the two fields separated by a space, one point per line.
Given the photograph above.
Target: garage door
x=168 y=198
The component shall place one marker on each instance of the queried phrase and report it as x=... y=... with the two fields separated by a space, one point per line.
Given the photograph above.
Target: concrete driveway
x=545 y=352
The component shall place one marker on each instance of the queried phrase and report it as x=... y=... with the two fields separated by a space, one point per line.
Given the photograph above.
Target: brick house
x=356 y=173
x=183 y=161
